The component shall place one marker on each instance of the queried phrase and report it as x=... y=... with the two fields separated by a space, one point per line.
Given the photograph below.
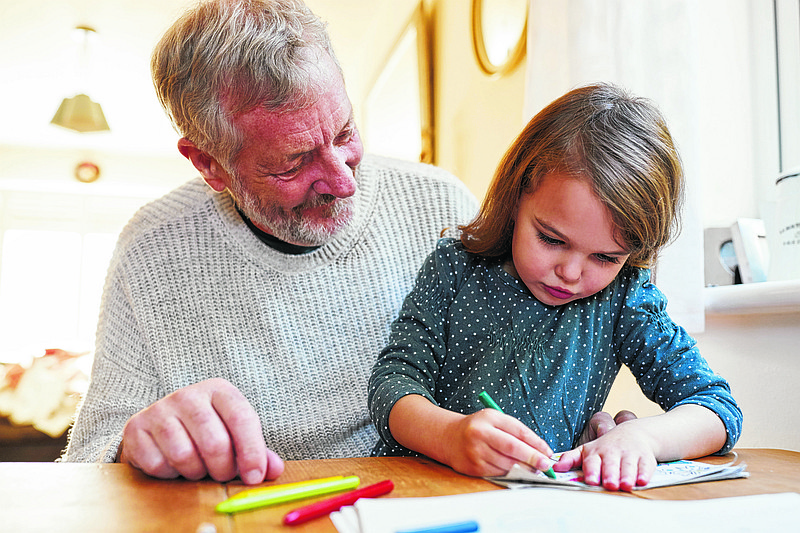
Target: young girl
x=546 y=294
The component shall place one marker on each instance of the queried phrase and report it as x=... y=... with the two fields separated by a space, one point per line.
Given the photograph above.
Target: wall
x=50 y=292
x=132 y=174
x=477 y=116
x=757 y=354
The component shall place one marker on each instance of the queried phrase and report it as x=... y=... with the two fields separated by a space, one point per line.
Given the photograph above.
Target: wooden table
x=83 y=498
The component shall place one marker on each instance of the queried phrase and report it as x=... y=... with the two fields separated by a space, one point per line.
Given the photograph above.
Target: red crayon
x=325 y=507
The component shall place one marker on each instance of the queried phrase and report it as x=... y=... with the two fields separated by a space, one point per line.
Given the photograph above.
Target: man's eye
x=292 y=172
x=288 y=175
x=345 y=136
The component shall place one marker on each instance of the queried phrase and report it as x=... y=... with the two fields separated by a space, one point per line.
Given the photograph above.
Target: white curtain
x=646 y=46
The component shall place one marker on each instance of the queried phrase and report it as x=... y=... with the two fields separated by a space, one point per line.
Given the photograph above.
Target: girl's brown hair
x=617 y=142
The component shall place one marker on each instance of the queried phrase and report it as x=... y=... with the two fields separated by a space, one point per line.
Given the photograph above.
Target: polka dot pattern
x=469 y=326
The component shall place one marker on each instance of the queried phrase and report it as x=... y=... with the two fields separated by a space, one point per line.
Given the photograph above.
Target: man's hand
x=601 y=423
x=208 y=428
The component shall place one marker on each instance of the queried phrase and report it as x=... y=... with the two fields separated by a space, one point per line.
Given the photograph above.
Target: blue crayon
x=461 y=527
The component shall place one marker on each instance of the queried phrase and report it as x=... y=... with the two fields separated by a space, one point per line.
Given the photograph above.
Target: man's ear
x=212 y=172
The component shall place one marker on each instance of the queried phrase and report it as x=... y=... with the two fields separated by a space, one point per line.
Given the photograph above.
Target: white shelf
x=749 y=298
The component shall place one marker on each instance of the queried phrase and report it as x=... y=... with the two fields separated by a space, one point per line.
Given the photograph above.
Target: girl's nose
x=570 y=269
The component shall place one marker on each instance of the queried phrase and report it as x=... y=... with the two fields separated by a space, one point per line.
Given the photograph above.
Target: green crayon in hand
x=487 y=401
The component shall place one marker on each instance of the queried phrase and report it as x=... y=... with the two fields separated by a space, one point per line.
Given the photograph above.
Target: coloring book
x=666 y=474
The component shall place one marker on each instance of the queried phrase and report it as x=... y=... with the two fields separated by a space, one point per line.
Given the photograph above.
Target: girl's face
x=564 y=245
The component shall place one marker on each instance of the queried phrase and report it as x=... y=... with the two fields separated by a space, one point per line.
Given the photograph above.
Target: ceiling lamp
x=79 y=113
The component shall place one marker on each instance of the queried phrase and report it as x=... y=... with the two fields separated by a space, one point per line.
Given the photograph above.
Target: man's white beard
x=290 y=226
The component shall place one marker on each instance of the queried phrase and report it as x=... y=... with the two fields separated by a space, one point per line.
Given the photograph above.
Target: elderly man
x=241 y=316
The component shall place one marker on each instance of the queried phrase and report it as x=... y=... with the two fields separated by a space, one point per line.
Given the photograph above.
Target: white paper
x=556 y=510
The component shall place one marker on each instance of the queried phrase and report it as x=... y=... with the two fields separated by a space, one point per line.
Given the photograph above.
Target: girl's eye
x=603 y=258
x=548 y=240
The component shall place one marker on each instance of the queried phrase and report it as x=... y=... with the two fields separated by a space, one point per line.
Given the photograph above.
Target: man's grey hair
x=225 y=57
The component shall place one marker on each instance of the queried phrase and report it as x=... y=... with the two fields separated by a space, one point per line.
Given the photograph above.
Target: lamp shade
x=81 y=114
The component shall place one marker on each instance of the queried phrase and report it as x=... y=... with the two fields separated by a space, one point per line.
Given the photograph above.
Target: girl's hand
x=626 y=455
x=620 y=459
x=488 y=443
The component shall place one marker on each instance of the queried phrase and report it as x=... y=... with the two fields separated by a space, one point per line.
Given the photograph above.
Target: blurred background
x=57 y=232
x=425 y=85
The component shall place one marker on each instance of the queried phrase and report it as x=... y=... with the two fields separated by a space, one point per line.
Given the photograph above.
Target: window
x=55 y=249
x=787 y=36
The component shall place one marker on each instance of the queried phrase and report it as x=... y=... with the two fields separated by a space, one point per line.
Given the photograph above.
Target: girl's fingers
x=518 y=444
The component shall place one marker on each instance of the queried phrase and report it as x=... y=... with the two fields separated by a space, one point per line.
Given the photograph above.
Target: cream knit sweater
x=193 y=294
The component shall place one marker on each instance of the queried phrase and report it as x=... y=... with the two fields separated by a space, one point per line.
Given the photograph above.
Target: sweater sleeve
x=410 y=362
x=119 y=386
x=666 y=362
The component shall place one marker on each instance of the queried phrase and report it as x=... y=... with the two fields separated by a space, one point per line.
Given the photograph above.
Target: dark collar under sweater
x=275 y=243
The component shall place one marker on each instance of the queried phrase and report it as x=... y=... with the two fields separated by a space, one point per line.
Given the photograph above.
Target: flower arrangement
x=45 y=393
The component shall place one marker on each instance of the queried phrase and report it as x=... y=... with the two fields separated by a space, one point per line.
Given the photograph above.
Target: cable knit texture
x=193 y=294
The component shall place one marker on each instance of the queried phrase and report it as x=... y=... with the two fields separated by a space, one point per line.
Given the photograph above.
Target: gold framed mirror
x=499 y=32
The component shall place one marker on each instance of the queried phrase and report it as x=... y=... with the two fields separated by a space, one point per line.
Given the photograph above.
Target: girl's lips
x=559 y=293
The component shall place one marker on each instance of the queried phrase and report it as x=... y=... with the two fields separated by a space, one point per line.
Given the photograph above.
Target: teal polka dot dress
x=469 y=326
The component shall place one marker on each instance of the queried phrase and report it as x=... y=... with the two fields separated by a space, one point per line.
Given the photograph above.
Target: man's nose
x=337 y=177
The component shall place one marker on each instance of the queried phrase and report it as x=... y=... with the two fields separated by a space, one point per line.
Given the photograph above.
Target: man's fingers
x=141 y=451
x=600 y=424
x=242 y=423
x=624 y=416
x=190 y=435
x=205 y=429
x=274 y=465
x=173 y=432
x=211 y=441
